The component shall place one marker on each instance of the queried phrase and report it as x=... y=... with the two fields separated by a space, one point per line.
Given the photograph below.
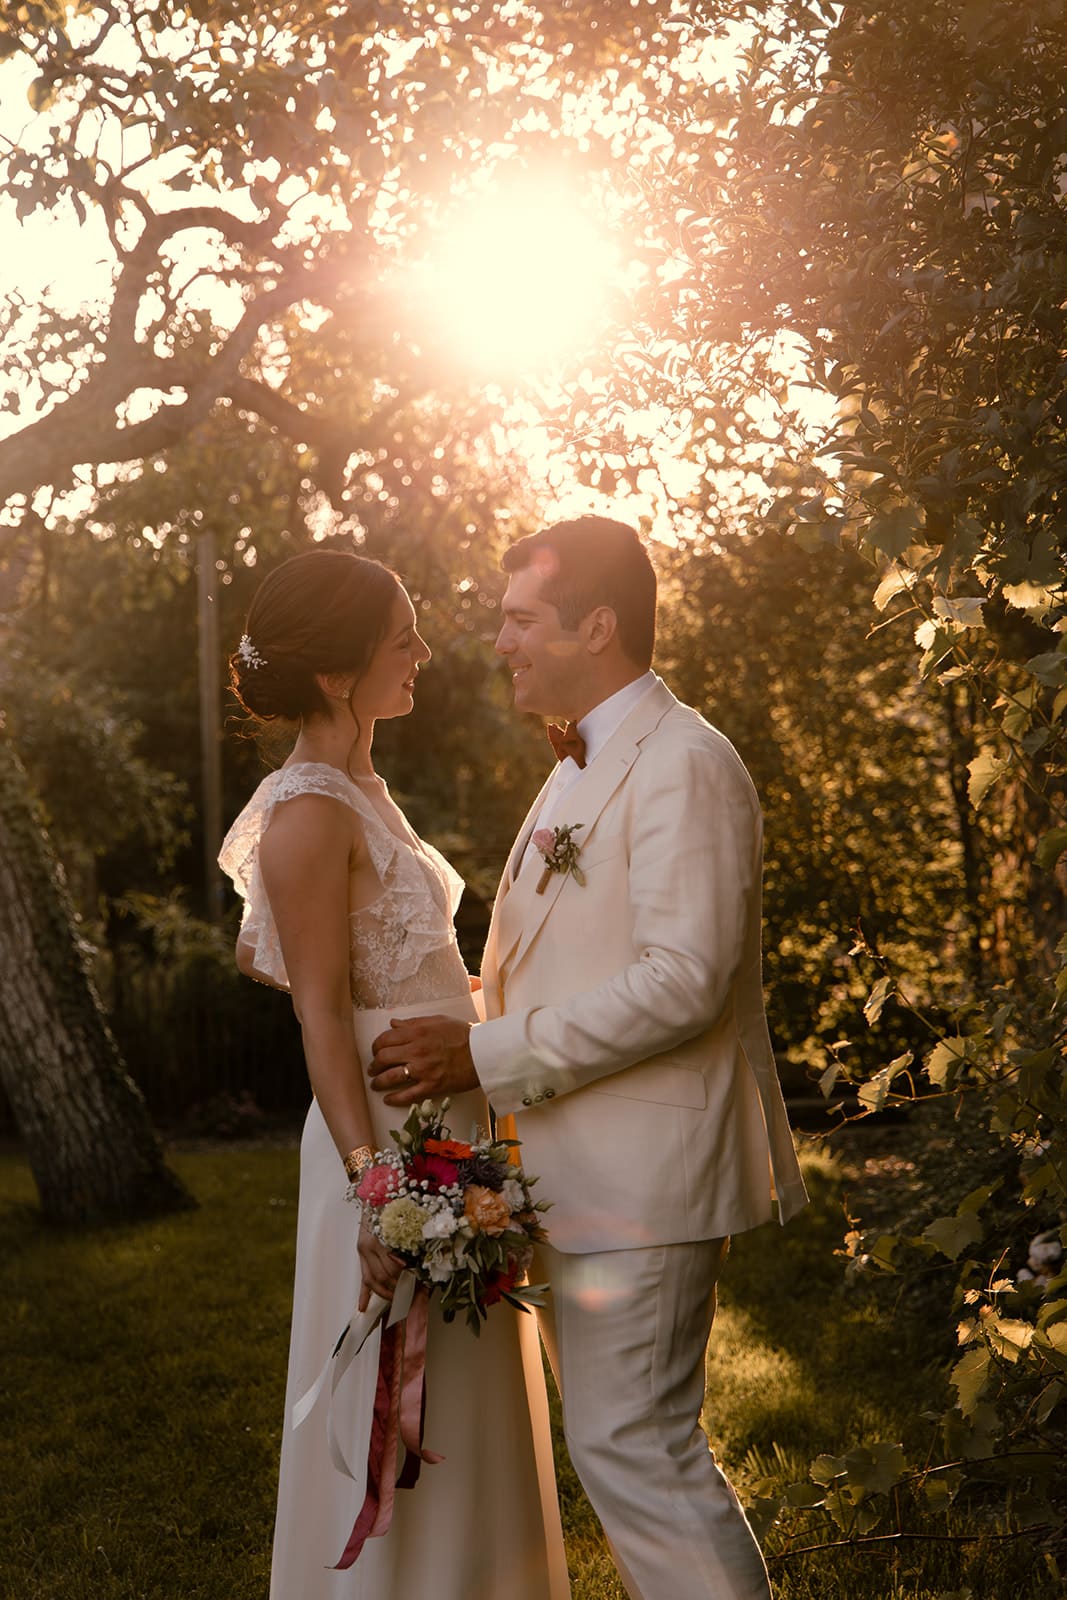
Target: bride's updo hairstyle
x=323 y=611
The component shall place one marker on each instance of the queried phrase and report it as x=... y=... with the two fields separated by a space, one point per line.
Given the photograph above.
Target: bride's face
x=387 y=687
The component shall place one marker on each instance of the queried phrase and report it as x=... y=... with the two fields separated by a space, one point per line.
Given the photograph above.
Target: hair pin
x=250 y=656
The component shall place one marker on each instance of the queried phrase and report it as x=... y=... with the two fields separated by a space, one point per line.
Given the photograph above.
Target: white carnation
x=442 y=1225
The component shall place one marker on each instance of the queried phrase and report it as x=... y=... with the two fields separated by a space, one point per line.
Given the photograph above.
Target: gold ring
x=407 y=1071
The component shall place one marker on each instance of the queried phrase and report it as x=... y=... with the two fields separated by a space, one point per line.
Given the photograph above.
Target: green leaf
x=850 y=1517
x=892 y=531
x=951 y=1235
x=1017 y=716
x=969 y=1377
x=976 y=1199
x=1039 y=1180
x=877 y=998
x=985 y=770
x=860 y=461
x=896 y=580
x=803 y=1496
x=883 y=1250
x=826 y=1469
x=1008 y=1336
x=1050 y=1399
x=974 y=1434
x=762 y=1513
x=966 y=610
x=874 y=1469
x=874 y=1091
x=945 y=1060
x=1050 y=848
x=1050 y=668
x=1057 y=1336
x=941 y=1490
x=1052 y=1311
x=828 y=1078
x=936 y=641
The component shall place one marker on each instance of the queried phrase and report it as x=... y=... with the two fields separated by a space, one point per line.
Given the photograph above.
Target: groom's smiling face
x=544 y=658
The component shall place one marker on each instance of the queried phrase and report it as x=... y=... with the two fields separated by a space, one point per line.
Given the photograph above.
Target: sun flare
x=521 y=280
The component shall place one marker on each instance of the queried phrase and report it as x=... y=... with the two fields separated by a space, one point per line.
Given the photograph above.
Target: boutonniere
x=559 y=851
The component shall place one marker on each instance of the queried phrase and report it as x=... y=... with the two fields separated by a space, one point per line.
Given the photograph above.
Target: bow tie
x=567 y=742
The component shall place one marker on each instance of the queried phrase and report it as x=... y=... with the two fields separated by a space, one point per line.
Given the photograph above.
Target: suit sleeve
x=694 y=861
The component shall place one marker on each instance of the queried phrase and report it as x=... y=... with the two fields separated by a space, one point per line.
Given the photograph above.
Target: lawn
x=142 y=1372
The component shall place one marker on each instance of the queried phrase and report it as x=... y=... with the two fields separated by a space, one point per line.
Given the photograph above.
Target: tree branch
x=331 y=444
x=865 y=1540
x=84 y=431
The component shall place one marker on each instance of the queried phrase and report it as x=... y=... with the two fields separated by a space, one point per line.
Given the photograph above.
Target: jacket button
x=526 y=1100
x=538 y=1098
x=550 y=1094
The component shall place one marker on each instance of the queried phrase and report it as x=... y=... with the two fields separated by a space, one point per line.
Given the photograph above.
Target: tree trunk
x=90 y=1144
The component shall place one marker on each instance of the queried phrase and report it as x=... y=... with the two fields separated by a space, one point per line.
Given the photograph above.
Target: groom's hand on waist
x=422 y=1057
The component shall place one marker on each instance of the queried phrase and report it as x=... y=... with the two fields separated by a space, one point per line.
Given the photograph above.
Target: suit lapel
x=522 y=838
x=525 y=911
x=503 y=928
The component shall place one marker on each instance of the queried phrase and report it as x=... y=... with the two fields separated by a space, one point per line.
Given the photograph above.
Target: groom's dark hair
x=593 y=561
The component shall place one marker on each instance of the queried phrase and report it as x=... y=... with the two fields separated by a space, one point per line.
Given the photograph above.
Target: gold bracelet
x=357 y=1160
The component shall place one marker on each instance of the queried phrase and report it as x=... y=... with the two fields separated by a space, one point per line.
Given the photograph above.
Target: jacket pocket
x=661 y=1084
x=601 y=849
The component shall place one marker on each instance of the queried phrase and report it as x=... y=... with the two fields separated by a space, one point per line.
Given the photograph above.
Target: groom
x=626 y=1032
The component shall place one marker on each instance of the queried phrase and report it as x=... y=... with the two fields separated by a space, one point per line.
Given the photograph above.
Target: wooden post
x=210 y=731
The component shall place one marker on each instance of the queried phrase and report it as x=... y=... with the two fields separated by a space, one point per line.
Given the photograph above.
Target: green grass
x=142 y=1372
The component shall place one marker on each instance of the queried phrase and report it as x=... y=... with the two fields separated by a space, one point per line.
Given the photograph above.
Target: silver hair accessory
x=250 y=656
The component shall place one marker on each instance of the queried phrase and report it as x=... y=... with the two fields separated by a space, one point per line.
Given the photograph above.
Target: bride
x=348 y=909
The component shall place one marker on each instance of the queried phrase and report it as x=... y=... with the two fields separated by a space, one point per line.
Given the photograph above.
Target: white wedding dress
x=483 y=1523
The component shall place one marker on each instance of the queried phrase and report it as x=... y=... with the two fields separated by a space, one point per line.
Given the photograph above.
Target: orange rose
x=485 y=1211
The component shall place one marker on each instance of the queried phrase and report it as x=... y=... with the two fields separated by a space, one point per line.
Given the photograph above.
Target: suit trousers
x=626 y=1333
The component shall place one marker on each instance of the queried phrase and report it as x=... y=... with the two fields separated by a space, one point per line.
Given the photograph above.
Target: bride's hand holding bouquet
x=459 y=1215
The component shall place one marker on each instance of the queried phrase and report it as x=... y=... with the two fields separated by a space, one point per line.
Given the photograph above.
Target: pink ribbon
x=399 y=1415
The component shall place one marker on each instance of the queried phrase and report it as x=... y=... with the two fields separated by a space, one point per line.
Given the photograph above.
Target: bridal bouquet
x=461 y=1218
x=459 y=1215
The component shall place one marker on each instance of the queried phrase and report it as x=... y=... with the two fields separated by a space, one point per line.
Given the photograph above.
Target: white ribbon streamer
x=353 y=1336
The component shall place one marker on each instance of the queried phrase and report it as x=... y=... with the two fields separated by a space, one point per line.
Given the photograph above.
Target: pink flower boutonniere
x=559 y=851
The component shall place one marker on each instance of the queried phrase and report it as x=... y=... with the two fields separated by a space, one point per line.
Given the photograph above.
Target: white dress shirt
x=596 y=728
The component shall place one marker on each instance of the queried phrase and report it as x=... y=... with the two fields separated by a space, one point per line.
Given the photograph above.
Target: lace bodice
x=403 y=944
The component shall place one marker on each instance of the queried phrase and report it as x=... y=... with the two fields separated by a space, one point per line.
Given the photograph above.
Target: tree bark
x=91 y=1147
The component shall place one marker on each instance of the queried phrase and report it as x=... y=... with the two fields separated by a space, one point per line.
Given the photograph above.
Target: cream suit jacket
x=624 y=1025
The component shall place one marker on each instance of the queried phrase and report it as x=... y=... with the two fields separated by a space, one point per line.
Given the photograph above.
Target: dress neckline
x=328 y=766
x=409 y=837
